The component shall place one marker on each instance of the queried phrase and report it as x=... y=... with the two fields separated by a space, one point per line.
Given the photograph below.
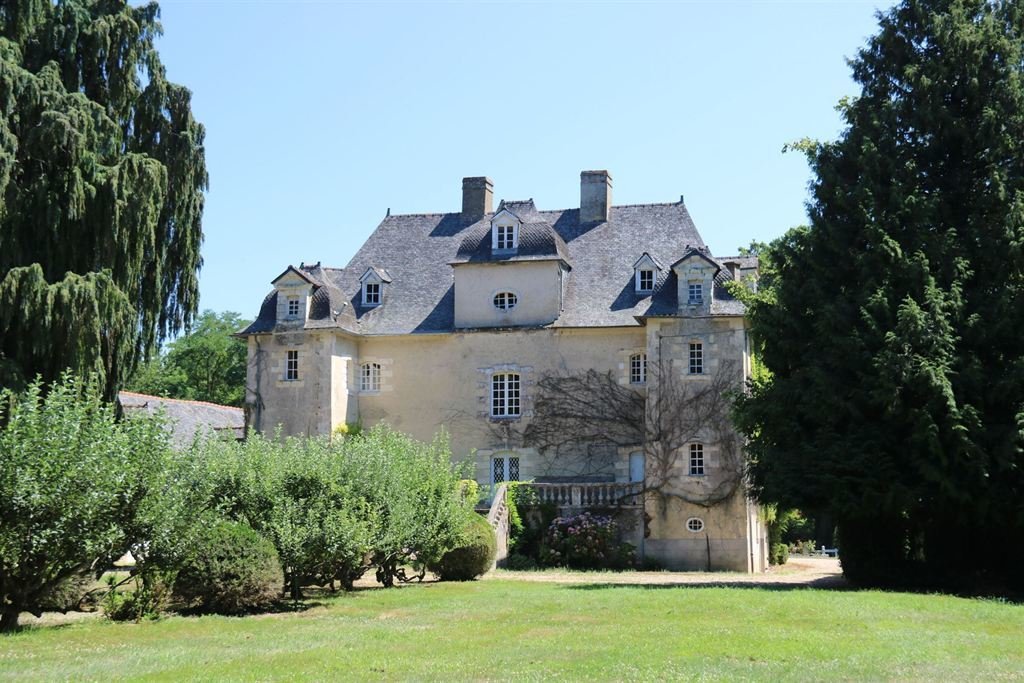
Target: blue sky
x=322 y=115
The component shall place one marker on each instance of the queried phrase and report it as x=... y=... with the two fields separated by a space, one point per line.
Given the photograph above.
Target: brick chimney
x=477 y=197
x=595 y=196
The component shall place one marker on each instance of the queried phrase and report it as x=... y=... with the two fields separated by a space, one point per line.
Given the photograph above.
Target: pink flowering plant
x=585 y=541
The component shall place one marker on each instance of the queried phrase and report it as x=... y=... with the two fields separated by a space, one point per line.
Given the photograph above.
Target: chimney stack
x=477 y=197
x=595 y=196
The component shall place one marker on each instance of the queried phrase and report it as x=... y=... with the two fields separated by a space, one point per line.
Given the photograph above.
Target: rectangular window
x=638 y=368
x=645 y=280
x=506 y=237
x=293 y=307
x=505 y=395
x=696 y=293
x=371 y=293
x=696 y=460
x=696 y=358
x=291 y=368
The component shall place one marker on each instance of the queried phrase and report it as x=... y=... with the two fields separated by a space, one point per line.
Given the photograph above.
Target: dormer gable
x=294 y=293
x=645 y=273
x=505 y=230
x=695 y=273
x=372 y=284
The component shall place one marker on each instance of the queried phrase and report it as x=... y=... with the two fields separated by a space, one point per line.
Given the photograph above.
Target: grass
x=503 y=629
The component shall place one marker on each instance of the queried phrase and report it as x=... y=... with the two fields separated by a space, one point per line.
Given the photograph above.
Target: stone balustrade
x=583 y=496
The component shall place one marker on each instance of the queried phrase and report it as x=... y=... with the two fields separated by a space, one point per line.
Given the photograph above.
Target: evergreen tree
x=102 y=174
x=892 y=331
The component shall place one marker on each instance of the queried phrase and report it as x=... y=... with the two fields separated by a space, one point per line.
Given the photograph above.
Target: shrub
x=231 y=569
x=585 y=541
x=472 y=558
x=149 y=597
x=779 y=554
x=72 y=481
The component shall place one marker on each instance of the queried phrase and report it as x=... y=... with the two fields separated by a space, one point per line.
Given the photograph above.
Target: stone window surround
x=696 y=462
x=369 y=378
x=279 y=366
x=526 y=384
x=386 y=375
x=638 y=368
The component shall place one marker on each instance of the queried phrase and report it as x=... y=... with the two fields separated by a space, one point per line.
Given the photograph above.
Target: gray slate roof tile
x=417 y=251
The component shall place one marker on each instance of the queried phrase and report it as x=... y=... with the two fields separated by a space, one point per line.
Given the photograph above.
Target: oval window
x=505 y=301
x=695 y=524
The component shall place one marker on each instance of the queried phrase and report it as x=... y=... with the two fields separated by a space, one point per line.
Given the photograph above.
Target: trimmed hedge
x=231 y=569
x=472 y=559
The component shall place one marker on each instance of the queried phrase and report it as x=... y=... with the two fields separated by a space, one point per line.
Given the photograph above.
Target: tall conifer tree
x=895 y=329
x=102 y=173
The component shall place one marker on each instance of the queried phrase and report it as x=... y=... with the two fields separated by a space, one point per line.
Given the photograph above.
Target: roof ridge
x=423 y=215
x=180 y=400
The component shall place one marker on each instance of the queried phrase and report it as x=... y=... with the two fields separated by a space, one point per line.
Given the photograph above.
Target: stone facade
x=423 y=352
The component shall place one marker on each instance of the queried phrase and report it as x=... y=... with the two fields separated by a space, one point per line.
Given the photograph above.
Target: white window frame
x=641 y=275
x=294 y=306
x=696 y=460
x=638 y=369
x=696 y=360
x=373 y=300
x=695 y=525
x=506 y=237
x=509 y=300
x=291 y=365
x=369 y=378
x=506 y=395
x=696 y=293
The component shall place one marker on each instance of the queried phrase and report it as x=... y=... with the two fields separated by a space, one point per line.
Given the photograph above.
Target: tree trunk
x=9 y=621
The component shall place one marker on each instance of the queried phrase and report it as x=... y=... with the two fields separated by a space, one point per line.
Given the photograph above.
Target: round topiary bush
x=231 y=569
x=472 y=559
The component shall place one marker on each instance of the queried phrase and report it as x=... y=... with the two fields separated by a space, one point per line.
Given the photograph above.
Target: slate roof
x=187 y=418
x=418 y=252
x=538 y=240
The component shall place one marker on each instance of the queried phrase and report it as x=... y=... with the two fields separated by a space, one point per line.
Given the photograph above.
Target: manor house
x=456 y=320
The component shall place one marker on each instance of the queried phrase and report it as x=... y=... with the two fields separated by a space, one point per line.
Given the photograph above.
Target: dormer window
x=645 y=274
x=371 y=293
x=373 y=281
x=645 y=280
x=505 y=238
x=293 y=307
x=696 y=293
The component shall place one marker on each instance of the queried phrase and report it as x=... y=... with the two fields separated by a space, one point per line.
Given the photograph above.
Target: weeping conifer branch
x=102 y=174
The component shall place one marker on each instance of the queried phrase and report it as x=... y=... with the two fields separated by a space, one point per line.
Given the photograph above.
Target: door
x=504 y=468
x=636 y=466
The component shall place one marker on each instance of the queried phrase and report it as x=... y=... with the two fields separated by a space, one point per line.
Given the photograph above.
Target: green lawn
x=503 y=629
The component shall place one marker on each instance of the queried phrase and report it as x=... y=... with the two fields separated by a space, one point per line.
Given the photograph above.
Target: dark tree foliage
x=102 y=174
x=893 y=329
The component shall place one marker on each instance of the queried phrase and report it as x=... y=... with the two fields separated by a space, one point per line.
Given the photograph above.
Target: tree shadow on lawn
x=833 y=583
x=836 y=584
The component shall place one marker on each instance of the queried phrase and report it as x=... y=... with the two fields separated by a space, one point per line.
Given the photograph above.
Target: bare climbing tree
x=574 y=413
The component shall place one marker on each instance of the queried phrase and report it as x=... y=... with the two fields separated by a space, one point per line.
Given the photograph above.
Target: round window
x=695 y=524
x=505 y=301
